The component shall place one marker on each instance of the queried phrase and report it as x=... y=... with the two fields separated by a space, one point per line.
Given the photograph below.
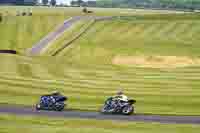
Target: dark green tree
x=179 y=4
x=80 y=2
x=77 y=3
x=53 y=2
x=45 y=2
x=35 y=2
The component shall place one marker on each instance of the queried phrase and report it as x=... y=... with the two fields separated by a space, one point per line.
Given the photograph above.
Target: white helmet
x=120 y=92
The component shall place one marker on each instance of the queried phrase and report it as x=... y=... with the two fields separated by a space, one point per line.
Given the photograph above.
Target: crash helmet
x=55 y=92
x=120 y=92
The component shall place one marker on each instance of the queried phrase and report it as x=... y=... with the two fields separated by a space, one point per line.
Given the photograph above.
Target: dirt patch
x=156 y=61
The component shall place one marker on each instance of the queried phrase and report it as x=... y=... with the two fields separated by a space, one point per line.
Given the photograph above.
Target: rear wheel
x=128 y=110
x=107 y=109
x=59 y=107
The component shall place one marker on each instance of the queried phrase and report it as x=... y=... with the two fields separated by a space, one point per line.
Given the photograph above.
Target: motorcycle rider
x=119 y=103
x=121 y=96
x=53 y=96
x=55 y=93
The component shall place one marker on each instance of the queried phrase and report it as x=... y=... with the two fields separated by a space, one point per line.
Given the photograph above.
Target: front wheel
x=107 y=109
x=128 y=110
x=59 y=107
x=38 y=107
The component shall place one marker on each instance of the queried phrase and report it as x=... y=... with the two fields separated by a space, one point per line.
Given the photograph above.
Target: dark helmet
x=55 y=93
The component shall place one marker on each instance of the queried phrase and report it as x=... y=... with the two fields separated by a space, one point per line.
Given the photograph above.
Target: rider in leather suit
x=120 y=96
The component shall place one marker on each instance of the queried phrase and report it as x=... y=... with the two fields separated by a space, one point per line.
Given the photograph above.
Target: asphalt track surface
x=38 y=47
x=99 y=116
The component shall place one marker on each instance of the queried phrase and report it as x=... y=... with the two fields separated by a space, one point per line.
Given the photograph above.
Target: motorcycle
x=51 y=103
x=116 y=106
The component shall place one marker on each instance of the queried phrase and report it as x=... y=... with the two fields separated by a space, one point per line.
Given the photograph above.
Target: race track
x=39 y=46
x=96 y=115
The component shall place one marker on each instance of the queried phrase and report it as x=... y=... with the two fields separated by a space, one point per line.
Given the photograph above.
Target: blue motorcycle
x=51 y=102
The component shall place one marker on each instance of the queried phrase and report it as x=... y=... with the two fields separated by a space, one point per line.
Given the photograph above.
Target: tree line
x=166 y=4
x=51 y=2
x=163 y=4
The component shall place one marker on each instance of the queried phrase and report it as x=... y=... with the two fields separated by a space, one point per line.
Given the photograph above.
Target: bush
x=1 y=17
x=85 y=10
x=30 y=14
x=90 y=12
x=23 y=13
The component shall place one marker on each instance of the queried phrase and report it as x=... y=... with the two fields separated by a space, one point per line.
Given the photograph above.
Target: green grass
x=162 y=90
x=20 y=33
x=84 y=71
x=87 y=86
x=74 y=11
x=33 y=124
x=67 y=37
x=139 y=36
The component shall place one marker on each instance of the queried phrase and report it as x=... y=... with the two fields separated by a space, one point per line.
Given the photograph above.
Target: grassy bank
x=22 y=32
x=170 y=35
x=157 y=91
x=32 y=124
x=87 y=73
x=67 y=37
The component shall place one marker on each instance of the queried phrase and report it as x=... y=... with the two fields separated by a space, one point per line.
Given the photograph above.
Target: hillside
x=151 y=35
x=102 y=61
x=179 y=4
x=21 y=32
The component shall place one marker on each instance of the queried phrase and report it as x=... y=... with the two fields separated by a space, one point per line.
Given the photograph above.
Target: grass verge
x=35 y=124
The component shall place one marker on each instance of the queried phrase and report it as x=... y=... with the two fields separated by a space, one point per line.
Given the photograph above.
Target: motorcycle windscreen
x=61 y=99
x=132 y=101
